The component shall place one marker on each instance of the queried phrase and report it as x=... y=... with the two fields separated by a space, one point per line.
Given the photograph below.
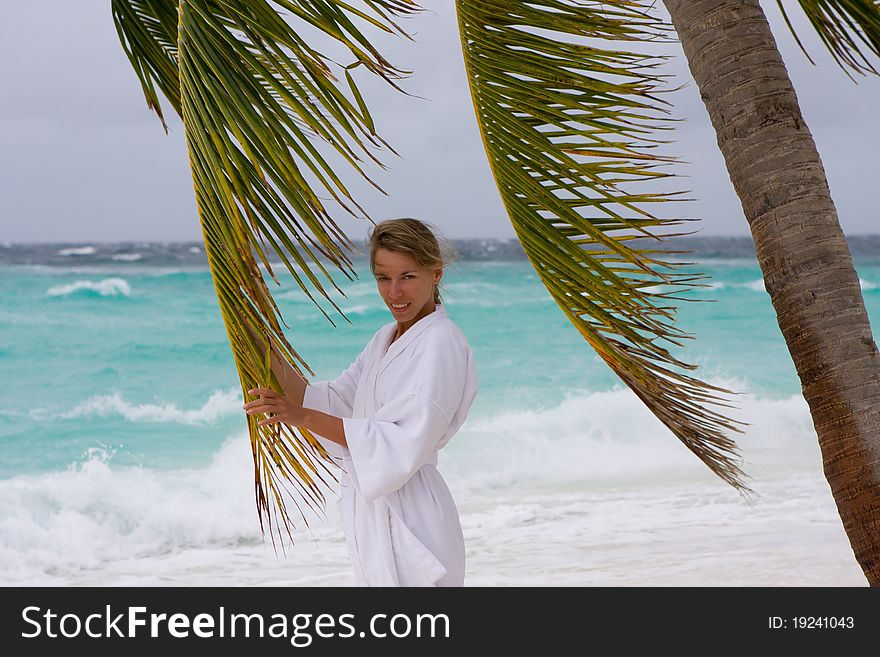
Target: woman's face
x=406 y=288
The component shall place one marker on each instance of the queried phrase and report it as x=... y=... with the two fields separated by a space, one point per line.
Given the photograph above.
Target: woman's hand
x=271 y=402
x=286 y=411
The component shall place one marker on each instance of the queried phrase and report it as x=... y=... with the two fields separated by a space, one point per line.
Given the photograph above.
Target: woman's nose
x=395 y=289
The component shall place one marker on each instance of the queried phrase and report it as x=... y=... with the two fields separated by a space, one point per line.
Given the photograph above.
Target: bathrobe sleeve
x=336 y=397
x=403 y=434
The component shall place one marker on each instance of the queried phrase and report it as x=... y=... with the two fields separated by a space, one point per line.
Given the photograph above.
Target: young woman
x=385 y=418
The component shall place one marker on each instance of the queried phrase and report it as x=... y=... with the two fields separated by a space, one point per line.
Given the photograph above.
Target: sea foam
x=221 y=403
x=76 y=251
x=94 y=514
x=759 y=286
x=595 y=470
x=611 y=438
x=107 y=287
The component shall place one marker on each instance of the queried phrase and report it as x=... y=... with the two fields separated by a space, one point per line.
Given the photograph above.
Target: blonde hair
x=418 y=239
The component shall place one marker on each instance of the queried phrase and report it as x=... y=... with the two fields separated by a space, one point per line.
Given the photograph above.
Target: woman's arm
x=293 y=385
x=323 y=424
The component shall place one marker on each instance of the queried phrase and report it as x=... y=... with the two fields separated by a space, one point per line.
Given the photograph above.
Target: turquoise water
x=126 y=459
x=135 y=361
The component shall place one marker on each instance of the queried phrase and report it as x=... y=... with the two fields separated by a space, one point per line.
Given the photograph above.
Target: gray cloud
x=83 y=159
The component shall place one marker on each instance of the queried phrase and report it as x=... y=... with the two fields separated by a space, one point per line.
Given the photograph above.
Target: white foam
x=757 y=286
x=360 y=309
x=127 y=257
x=79 y=250
x=592 y=491
x=698 y=534
x=107 y=287
x=194 y=249
x=63 y=525
x=221 y=403
x=96 y=524
x=606 y=438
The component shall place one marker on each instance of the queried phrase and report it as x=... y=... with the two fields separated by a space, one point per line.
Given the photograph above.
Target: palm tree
x=569 y=105
x=808 y=272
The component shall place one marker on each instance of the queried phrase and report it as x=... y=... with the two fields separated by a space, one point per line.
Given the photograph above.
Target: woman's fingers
x=268 y=401
x=266 y=396
x=264 y=408
x=265 y=400
x=263 y=391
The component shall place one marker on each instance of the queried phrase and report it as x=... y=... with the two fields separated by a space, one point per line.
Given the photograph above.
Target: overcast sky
x=83 y=160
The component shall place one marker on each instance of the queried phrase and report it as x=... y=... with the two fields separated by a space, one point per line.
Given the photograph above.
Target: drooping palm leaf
x=566 y=122
x=263 y=113
x=850 y=29
x=148 y=32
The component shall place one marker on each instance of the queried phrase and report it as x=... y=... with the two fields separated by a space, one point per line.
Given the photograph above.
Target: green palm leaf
x=566 y=123
x=850 y=29
x=264 y=114
x=148 y=32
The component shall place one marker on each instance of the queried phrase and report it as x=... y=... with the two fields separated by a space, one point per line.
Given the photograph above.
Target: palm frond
x=264 y=112
x=850 y=29
x=148 y=32
x=567 y=124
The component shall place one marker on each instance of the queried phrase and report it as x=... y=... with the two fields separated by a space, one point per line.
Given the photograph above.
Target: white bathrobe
x=400 y=403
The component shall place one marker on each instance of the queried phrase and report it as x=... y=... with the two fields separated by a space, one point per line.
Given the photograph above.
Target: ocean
x=126 y=459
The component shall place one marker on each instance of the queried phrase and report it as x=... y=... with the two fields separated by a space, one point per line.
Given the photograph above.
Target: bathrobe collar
x=411 y=333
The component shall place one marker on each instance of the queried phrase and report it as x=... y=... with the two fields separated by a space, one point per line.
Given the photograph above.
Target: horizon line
x=8 y=243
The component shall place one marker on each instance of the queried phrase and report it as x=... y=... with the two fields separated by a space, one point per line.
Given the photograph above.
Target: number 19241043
x=810 y=622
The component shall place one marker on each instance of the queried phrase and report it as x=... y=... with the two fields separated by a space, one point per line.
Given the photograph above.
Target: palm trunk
x=808 y=272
